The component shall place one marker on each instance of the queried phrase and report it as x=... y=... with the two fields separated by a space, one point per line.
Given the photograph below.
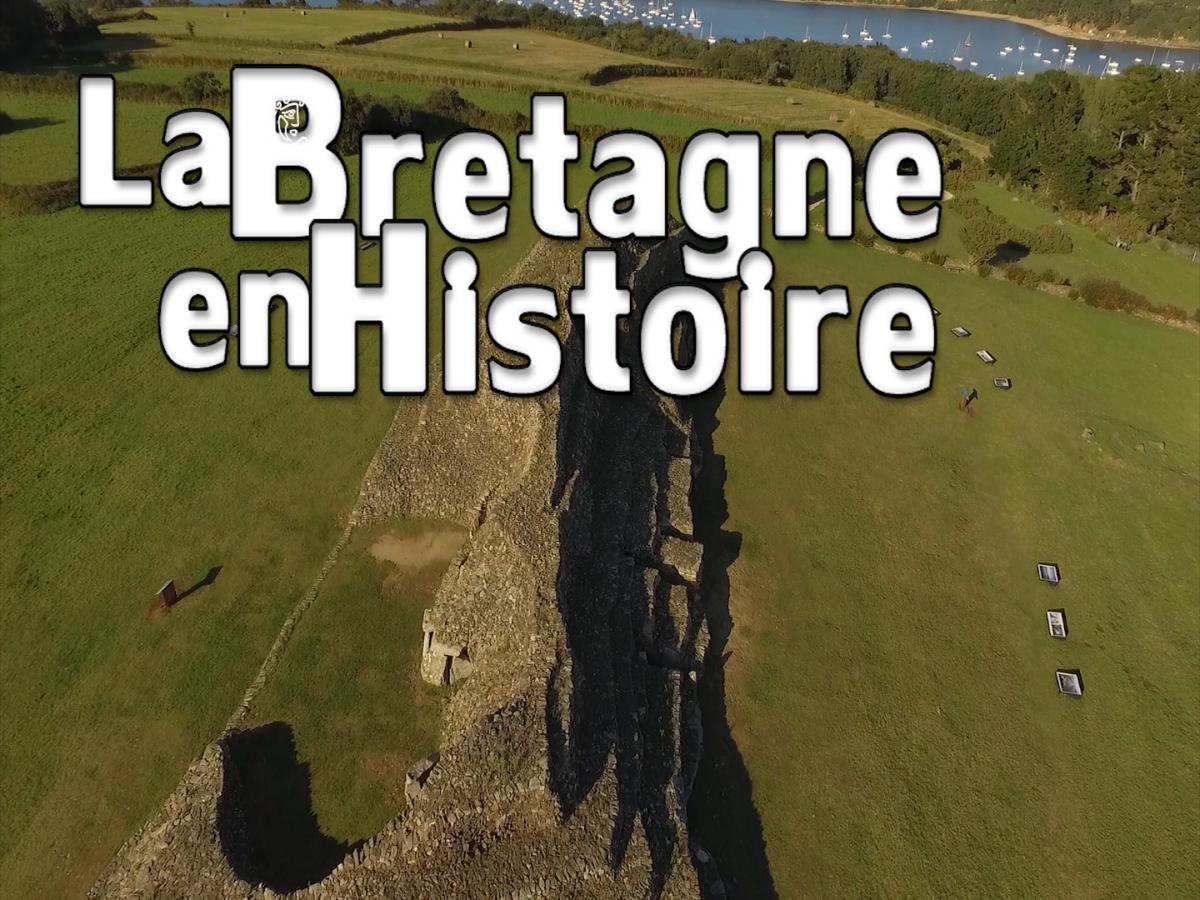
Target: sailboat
x=887 y=31
x=807 y=38
x=967 y=42
x=1021 y=68
x=904 y=49
x=711 y=40
x=845 y=31
x=957 y=57
x=693 y=20
x=1021 y=46
x=1037 y=54
x=864 y=31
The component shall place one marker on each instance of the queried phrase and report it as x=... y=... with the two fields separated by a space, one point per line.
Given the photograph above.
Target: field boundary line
x=271 y=661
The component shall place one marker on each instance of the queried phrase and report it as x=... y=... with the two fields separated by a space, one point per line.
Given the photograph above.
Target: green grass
x=145 y=128
x=1149 y=268
x=786 y=107
x=265 y=26
x=1164 y=277
x=350 y=686
x=892 y=681
x=491 y=49
x=120 y=471
x=45 y=146
x=947 y=241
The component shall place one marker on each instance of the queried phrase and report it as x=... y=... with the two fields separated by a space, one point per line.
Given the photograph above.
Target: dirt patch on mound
x=414 y=552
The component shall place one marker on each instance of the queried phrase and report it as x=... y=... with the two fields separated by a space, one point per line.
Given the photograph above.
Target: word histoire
x=237 y=165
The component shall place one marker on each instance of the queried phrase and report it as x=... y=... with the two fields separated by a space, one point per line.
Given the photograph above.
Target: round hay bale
x=439 y=35
x=516 y=46
x=227 y=14
x=468 y=45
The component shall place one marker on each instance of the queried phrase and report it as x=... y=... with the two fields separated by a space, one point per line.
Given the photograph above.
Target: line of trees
x=31 y=30
x=984 y=233
x=1127 y=148
x=942 y=92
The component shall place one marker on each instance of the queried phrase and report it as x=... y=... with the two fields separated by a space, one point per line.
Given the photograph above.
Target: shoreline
x=1063 y=31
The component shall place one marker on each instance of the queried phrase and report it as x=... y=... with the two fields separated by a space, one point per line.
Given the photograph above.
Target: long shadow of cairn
x=722 y=814
x=638 y=602
x=265 y=818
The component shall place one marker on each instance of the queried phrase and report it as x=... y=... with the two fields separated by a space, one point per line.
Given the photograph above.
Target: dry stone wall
x=568 y=631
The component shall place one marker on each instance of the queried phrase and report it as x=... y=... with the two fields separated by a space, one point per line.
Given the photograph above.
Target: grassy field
x=1161 y=275
x=349 y=685
x=589 y=108
x=45 y=144
x=892 y=682
x=785 y=107
x=266 y=26
x=1150 y=268
x=120 y=471
x=493 y=50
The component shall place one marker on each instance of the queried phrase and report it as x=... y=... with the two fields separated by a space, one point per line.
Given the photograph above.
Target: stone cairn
x=568 y=631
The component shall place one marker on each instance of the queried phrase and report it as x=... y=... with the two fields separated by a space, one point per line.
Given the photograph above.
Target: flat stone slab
x=683 y=558
x=678 y=496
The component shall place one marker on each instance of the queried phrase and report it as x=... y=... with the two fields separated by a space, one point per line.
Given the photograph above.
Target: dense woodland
x=1128 y=145
x=39 y=29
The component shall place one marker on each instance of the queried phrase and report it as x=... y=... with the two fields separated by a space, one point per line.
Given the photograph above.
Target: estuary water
x=988 y=47
x=979 y=44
